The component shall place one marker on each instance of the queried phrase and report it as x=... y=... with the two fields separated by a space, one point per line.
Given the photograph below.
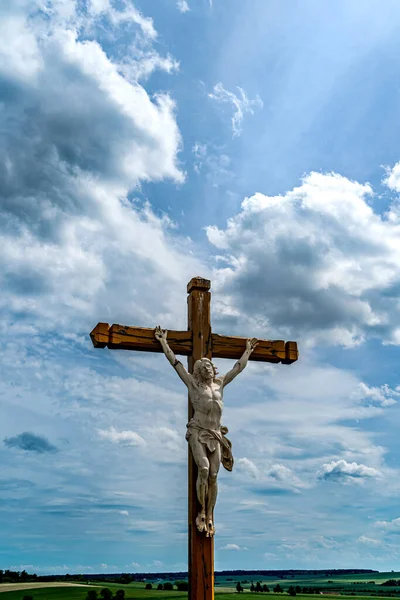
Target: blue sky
x=252 y=143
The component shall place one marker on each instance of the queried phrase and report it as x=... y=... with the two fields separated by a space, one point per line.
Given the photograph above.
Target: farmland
x=343 y=587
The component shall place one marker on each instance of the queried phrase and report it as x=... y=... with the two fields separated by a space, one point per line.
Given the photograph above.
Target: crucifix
x=208 y=445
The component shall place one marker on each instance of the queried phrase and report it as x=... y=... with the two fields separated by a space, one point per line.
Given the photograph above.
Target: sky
x=252 y=143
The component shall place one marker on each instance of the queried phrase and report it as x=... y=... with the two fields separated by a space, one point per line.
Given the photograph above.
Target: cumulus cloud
x=125 y=438
x=316 y=262
x=390 y=526
x=240 y=103
x=392 y=179
x=230 y=547
x=376 y=396
x=80 y=133
x=30 y=442
x=341 y=470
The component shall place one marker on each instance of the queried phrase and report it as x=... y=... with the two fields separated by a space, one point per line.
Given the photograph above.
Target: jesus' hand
x=160 y=334
x=251 y=344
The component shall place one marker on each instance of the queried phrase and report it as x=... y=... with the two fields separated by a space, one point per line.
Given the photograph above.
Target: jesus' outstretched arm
x=241 y=363
x=161 y=336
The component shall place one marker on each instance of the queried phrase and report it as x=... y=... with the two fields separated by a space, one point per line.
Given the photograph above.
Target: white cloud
x=376 y=396
x=230 y=547
x=126 y=438
x=391 y=526
x=392 y=179
x=340 y=260
x=367 y=541
x=98 y=134
x=248 y=467
x=273 y=476
x=240 y=102
x=183 y=6
x=126 y=14
x=156 y=563
x=279 y=472
x=341 y=470
x=283 y=477
x=124 y=513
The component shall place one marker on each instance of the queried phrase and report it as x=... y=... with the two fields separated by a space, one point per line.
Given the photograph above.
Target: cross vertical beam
x=201 y=548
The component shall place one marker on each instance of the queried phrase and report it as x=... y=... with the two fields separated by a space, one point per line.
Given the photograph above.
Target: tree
x=291 y=591
x=91 y=595
x=120 y=595
x=168 y=586
x=265 y=588
x=160 y=586
x=239 y=587
x=182 y=586
x=252 y=588
x=258 y=586
x=148 y=586
x=278 y=589
x=106 y=594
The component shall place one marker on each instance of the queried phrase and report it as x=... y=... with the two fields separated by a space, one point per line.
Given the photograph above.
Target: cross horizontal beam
x=180 y=342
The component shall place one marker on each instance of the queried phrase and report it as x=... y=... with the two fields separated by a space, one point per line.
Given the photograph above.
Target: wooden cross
x=195 y=343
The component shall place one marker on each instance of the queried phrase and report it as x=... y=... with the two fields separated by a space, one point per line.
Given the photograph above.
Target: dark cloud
x=30 y=442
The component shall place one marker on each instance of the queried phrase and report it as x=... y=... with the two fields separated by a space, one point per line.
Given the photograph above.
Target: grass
x=225 y=587
x=138 y=592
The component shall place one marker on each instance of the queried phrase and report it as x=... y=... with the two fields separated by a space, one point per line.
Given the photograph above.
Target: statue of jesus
x=205 y=434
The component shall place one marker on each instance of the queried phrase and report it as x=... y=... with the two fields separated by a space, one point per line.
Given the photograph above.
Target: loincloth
x=210 y=438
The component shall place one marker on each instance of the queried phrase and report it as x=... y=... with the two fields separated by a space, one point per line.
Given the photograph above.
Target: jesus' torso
x=207 y=403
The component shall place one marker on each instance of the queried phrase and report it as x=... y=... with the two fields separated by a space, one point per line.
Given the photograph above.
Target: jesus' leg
x=215 y=461
x=203 y=467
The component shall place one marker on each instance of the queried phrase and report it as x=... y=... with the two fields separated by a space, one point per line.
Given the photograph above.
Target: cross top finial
x=198 y=283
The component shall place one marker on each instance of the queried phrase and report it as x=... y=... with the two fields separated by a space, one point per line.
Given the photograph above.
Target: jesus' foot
x=210 y=527
x=201 y=522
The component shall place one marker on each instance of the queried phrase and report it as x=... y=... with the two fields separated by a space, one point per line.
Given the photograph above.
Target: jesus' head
x=204 y=370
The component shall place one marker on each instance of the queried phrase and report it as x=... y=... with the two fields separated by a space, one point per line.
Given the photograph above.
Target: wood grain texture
x=200 y=547
x=292 y=353
x=221 y=346
x=225 y=346
x=139 y=338
x=99 y=335
x=198 y=283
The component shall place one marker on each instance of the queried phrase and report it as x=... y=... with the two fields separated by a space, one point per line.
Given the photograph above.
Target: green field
x=364 y=586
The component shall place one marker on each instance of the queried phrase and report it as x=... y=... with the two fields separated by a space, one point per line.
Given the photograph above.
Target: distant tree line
x=181 y=586
x=8 y=576
x=105 y=594
x=257 y=588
